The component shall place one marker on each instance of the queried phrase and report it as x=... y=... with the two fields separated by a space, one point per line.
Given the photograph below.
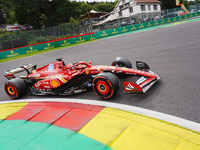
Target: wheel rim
x=102 y=87
x=11 y=90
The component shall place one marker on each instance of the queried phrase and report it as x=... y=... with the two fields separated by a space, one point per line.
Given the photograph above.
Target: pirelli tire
x=106 y=85
x=122 y=62
x=15 y=88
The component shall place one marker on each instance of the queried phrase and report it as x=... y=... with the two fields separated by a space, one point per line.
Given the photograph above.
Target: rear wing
x=28 y=67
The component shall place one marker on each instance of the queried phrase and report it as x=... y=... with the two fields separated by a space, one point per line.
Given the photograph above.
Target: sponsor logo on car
x=130 y=87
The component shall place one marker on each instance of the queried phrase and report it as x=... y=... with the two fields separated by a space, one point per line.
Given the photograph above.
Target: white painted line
x=172 y=119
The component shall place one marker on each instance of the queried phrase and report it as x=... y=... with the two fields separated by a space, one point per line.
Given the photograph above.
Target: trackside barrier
x=110 y=32
x=88 y=37
x=46 y=45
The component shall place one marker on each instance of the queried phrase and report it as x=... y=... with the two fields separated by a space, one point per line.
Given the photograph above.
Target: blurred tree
x=2 y=16
x=28 y=13
x=59 y=11
x=6 y=7
x=104 y=7
x=115 y=2
x=188 y=3
x=85 y=7
x=168 y=4
x=43 y=12
x=197 y=1
x=39 y=13
x=72 y=20
x=76 y=9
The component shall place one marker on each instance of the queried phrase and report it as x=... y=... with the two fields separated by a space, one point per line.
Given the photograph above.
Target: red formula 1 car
x=59 y=78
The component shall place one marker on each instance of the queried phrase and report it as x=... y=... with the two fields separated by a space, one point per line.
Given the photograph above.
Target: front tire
x=122 y=62
x=106 y=85
x=15 y=88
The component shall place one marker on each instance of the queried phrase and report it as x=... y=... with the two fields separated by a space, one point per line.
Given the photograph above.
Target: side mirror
x=142 y=66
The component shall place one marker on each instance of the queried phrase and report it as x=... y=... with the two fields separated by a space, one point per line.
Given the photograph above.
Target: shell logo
x=55 y=83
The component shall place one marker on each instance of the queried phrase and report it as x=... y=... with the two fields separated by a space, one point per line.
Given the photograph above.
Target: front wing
x=141 y=85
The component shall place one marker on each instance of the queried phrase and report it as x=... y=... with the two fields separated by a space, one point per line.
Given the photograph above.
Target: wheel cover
x=102 y=87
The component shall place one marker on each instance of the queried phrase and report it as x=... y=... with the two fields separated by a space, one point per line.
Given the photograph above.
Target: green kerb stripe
x=26 y=135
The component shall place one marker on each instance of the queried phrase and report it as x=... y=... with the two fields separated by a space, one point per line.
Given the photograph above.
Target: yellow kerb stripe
x=126 y=130
x=8 y=109
x=105 y=128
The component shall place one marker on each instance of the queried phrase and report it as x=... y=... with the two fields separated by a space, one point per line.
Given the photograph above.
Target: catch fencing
x=21 y=38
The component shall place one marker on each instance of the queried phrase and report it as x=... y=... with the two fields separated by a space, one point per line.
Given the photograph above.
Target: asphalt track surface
x=171 y=52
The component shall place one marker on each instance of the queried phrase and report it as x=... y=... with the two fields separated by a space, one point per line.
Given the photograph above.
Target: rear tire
x=15 y=88
x=106 y=85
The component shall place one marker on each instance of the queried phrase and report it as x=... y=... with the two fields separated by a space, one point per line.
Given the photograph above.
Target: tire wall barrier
x=88 y=37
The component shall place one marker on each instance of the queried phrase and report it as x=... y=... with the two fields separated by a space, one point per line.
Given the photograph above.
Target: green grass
x=40 y=52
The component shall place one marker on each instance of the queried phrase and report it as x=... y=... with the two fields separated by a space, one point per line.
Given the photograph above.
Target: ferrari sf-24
x=58 y=78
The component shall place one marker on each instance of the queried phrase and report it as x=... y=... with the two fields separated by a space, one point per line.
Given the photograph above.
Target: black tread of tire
x=20 y=85
x=124 y=61
x=112 y=78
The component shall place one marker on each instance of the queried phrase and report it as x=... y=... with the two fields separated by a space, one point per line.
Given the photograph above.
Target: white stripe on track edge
x=165 y=117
